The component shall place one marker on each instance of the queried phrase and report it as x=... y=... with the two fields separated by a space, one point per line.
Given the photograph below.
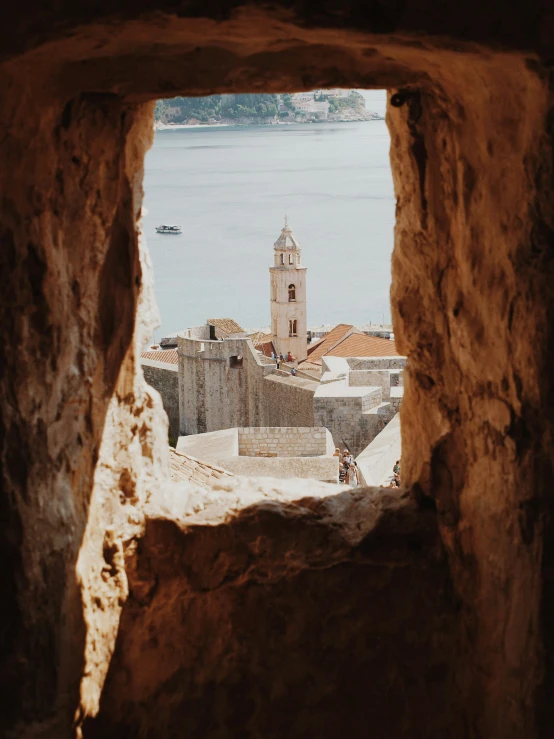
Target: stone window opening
x=292 y=293
x=291 y=259
x=452 y=196
x=235 y=362
x=292 y=327
x=282 y=258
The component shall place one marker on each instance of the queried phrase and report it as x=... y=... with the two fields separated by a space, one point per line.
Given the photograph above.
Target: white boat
x=168 y=229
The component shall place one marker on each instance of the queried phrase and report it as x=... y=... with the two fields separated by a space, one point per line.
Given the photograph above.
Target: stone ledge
x=254 y=580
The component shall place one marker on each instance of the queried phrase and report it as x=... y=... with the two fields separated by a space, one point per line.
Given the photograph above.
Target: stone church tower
x=288 y=297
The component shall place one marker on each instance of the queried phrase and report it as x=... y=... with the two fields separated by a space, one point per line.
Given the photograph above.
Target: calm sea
x=229 y=189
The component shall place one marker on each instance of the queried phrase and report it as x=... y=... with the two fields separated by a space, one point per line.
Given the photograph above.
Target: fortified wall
x=163 y=376
x=225 y=384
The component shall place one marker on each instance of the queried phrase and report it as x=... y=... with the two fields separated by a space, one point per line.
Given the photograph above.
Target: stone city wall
x=283 y=442
x=166 y=381
x=217 y=392
x=288 y=401
x=220 y=385
x=376 y=363
x=349 y=426
x=396 y=396
x=372 y=378
x=200 y=333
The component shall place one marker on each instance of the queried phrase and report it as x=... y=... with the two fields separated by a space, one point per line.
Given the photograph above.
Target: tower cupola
x=287 y=249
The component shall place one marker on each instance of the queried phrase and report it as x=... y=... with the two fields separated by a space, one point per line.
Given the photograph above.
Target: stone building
x=345 y=340
x=227 y=384
x=289 y=326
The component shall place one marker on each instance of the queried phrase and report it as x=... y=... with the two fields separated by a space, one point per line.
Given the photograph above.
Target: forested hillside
x=181 y=110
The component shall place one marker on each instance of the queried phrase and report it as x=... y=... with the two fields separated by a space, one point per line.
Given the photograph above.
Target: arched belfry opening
x=127 y=610
x=292 y=293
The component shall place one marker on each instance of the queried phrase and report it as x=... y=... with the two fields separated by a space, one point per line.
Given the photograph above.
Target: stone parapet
x=282 y=442
x=376 y=363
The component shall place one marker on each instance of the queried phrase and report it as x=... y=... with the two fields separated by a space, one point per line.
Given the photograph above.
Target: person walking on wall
x=352 y=475
x=293 y=372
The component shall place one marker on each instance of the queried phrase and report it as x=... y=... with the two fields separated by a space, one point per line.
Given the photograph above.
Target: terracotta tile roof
x=188 y=469
x=315 y=343
x=355 y=345
x=313 y=369
x=329 y=339
x=361 y=345
x=263 y=343
x=226 y=324
x=169 y=356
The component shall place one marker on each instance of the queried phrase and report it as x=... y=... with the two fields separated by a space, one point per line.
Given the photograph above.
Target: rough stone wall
x=166 y=382
x=256 y=640
x=282 y=442
x=288 y=401
x=376 y=363
x=365 y=378
x=349 y=426
x=214 y=396
x=472 y=300
x=81 y=437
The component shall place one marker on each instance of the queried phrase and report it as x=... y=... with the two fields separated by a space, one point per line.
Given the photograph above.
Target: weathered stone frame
x=472 y=301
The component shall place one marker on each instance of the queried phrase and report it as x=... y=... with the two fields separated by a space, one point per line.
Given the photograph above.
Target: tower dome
x=287 y=240
x=287 y=249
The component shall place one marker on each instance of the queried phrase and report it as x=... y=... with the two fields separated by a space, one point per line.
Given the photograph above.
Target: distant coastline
x=317 y=106
x=159 y=126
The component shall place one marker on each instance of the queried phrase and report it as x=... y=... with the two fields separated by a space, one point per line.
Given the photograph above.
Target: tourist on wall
x=293 y=372
x=352 y=475
x=289 y=357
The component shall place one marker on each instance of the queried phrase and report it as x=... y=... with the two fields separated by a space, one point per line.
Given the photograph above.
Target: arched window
x=282 y=258
x=292 y=327
x=291 y=259
x=292 y=293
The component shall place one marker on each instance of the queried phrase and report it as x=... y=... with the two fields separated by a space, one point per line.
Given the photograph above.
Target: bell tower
x=288 y=297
